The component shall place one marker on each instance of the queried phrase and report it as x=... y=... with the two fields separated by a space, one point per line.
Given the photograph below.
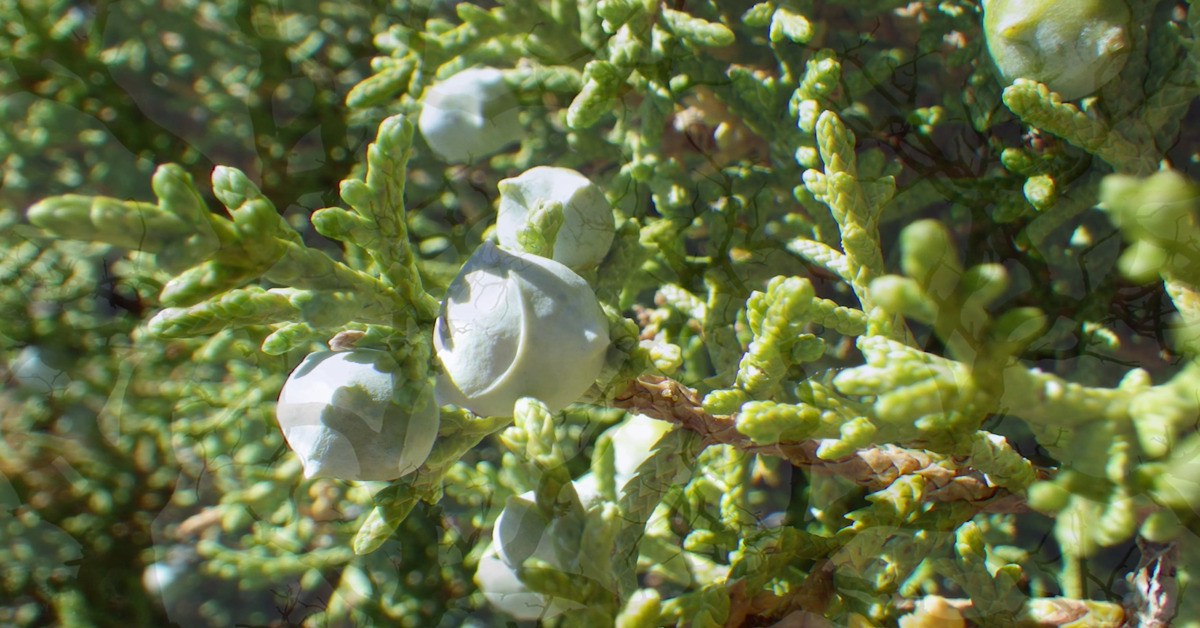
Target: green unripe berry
x=348 y=417
x=1073 y=46
x=469 y=115
x=517 y=325
x=587 y=228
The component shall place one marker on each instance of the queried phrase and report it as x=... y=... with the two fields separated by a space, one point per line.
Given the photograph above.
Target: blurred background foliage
x=114 y=443
x=144 y=481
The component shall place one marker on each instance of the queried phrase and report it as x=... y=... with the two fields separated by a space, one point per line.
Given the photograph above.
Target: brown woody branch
x=1047 y=612
x=874 y=468
x=1154 y=598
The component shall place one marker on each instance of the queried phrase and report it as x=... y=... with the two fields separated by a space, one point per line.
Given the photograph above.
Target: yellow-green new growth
x=1157 y=214
x=855 y=204
x=600 y=83
x=696 y=31
x=178 y=227
x=1036 y=105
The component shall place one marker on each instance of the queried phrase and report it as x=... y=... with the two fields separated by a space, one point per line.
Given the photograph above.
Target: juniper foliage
x=925 y=340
